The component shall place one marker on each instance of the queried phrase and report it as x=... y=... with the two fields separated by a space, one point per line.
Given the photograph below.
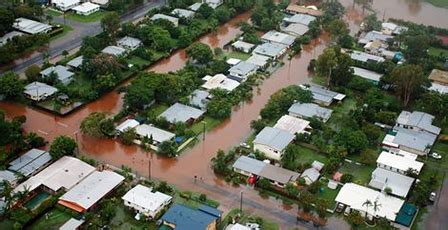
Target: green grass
x=307 y=155
x=6 y=224
x=211 y=123
x=53 y=13
x=439 y=3
x=329 y=194
x=137 y=61
x=246 y=218
x=433 y=51
x=237 y=55
x=124 y=219
x=86 y=19
x=66 y=30
x=361 y=173
x=157 y=109
x=52 y=220
x=319 y=80
x=339 y=117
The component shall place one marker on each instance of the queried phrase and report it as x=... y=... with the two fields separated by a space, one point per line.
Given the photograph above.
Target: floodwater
x=417 y=11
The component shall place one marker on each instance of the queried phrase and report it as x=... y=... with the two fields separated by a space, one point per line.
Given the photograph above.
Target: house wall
x=418 y=152
x=144 y=211
x=88 y=12
x=390 y=168
x=268 y=151
x=242 y=172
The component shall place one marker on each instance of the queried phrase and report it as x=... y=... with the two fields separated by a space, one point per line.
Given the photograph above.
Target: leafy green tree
x=168 y=148
x=368 y=157
x=128 y=136
x=353 y=140
x=292 y=190
x=371 y=22
x=321 y=207
x=408 y=80
x=222 y=14
x=347 y=178
x=35 y=141
x=110 y=24
x=355 y=219
x=163 y=187
x=264 y=183
x=314 y=29
x=200 y=52
x=62 y=146
x=417 y=46
x=219 y=108
x=96 y=125
x=305 y=200
x=6 y=20
x=205 y=11
x=337 y=28
x=11 y=86
x=290 y=157
x=32 y=73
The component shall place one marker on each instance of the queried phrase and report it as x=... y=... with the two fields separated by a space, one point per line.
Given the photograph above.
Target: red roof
x=337 y=176
x=443 y=38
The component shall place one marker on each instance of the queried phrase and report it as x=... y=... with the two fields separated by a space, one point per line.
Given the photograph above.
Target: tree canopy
x=62 y=146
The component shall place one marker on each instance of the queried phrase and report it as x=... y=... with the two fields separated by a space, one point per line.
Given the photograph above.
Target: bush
x=264 y=184
x=347 y=178
x=203 y=197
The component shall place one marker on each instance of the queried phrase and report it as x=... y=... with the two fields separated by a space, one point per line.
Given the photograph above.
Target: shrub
x=347 y=178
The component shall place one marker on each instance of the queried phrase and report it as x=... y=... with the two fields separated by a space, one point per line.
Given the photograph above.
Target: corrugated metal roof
x=181 y=113
x=274 y=138
x=398 y=183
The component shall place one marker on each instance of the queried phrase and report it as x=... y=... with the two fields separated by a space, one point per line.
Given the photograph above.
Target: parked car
x=432 y=196
x=245 y=145
x=340 y=207
x=436 y=156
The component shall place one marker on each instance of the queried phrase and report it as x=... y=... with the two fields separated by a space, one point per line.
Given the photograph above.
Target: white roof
x=398 y=183
x=129 y=41
x=219 y=81
x=157 y=134
x=65 y=3
x=38 y=89
x=366 y=74
x=9 y=36
x=128 y=124
x=355 y=197
x=100 y=2
x=64 y=173
x=296 y=29
x=365 y=57
x=237 y=227
x=233 y=61
x=144 y=197
x=114 y=50
x=399 y=162
x=86 y=7
x=303 y=19
x=258 y=60
x=243 y=45
x=443 y=89
x=166 y=17
x=195 y=6
x=76 y=62
x=183 y=13
x=71 y=224
x=278 y=37
x=6 y=175
x=92 y=189
x=30 y=26
x=292 y=124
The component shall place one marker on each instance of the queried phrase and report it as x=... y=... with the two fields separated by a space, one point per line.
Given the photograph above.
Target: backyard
x=54 y=219
x=361 y=173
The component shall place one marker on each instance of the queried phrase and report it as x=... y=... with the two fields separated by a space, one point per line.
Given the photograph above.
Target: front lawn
x=124 y=220
x=66 y=30
x=54 y=219
x=237 y=55
x=307 y=155
x=138 y=61
x=86 y=19
x=329 y=194
x=210 y=123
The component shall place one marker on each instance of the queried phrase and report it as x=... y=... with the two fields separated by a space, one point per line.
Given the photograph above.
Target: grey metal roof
x=30 y=162
x=366 y=74
x=114 y=50
x=309 y=110
x=274 y=138
x=259 y=60
x=31 y=26
x=278 y=37
x=418 y=119
x=418 y=140
x=296 y=29
x=398 y=183
x=76 y=62
x=38 y=89
x=374 y=35
x=365 y=57
x=243 y=68
x=248 y=164
x=174 y=20
x=183 y=13
x=129 y=42
x=270 y=49
x=322 y=94
x=6 y=175
x=311 y=173
x=195 y=6
x=62 y=72
x=181 y=113
x=199 y=99
x=303 y=19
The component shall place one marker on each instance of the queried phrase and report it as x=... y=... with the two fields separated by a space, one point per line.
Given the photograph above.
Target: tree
x=305 y=200
x=290 y=157
x=200 y=52
x=35 y=141
x=367 y=204
x=168 y=148
x=62 y=146
x=205 y=11
x=321 y=207
x=102 y=64
x=417 y=46
x=219 y=163
x=292 y=190
x=407 y=80
x=6 y=20
x=222 y=14
x=337 y=28
x=65 y=54
x=371 y=22
x=264 y=184
x=163 y=187
x=347 y=178
x=355 y=219
x=140 y=92
x=110 y=24
x=219 y=108
x=369 y=157
x=11 y=86
x=314 y=29
x=128 y=136
x=326 y=62
x=32 y=73
x=96 y=125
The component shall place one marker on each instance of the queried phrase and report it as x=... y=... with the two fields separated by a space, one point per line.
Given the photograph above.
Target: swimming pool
x=36 y=200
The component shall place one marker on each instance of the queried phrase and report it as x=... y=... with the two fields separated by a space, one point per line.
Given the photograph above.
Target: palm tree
x=376 y=206
x=367 y=203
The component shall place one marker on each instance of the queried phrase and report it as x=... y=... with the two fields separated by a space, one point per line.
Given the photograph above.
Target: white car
x=432 y=196
x=436 y=156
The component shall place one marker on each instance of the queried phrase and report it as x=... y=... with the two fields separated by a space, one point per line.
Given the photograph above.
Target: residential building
x=195 y=7
x=100 y=2
x=38 y=91
x=299 y=18
x=374 y=47
x=86 y=8
x=63 y=74
x=62 y=175
x=90 y=190
x=374 y=36
x=278 y=37
x=72 y=224
x=65 y=5
x=261 y=61
x=369 y=75
x=417 y=142
x=238 y=226
x=309 y=110
x=390 y=28
x=365 y=57
x=293 y=125
x=233 y=61
x=182 y=13
x=396 y=163
x=271 y=50
x=213 y=3
x=173 y=20
x=254 y=168
x=146 y=202
x=115 y=51
x=158 y=135
x=241 y=71
x=30 y=26
x=76 y=62
x=322 y=95
x=127 y=124
x=182 y=217
x=200 y=99
x=296 y=9
x=219 y=81
x=398 y=184
x=272 y=142
x=295 y=29
x=439 y=80
x=9 y=177
x=243 y=46
x=30 y=163
x=310 y=175
x=129 y=43
x=419 y=121
x=355 y=196
x=181 y=113
x=9 y=37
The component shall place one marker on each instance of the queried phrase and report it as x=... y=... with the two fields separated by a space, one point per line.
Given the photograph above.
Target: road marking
x=62 y=124
x=44 y=133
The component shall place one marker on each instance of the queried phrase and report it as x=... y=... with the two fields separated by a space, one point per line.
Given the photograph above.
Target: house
x=390 y=28
x=127 y=124
x=243 y=46
x=271 y=50
x=299 y=18
x=398 y=184
x=365 y=57
x=76 y=62
x=237 y=226
x=296 y=9
x=30 y=26
x=261 y=61
x=252 y=167
x=418 y=121
x=396 y=163
x=158 y=135
x=9 y=37
x=89 y=191
x=374 y=47
x=374 y=36
x=272 y=142
x=317 y=165
x=310 y=175
x=200 y=99
x=173 y=20
x=309 y=110
x=182 y=13
x=322 y=95
x=182 y=217
x=417 y=142
x=369 y=75
x=65 y=5
x=195 y=7
x=72 y=224
x=181 y=113
x=219 y=81
x=241 y=71
x=278 y=37
x=86 y=8
x=114 y=50
x=213 y=3
x=233 y=61
x=293 y=125
x=30 y=163
x=62 y=175
x=439 y=81
x=295 y=29
x=355 y=197
x=38 y=91
x=63 y=74
x=9 y=177
x=102 y=3
x=146 y=202
x=129 y=43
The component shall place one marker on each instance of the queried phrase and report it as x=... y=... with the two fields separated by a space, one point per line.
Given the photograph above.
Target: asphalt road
x=74 y=39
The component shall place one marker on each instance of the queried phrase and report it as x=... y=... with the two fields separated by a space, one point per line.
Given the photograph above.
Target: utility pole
x=149 y=168
x=241 y=201
x=203 y=130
